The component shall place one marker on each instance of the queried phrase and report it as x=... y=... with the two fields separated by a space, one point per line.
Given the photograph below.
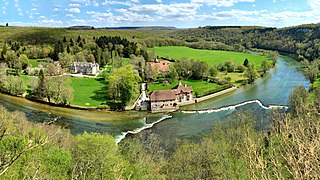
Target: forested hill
x=303 y=40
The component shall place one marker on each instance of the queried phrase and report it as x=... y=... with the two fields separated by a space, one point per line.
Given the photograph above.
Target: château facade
x=84 y=68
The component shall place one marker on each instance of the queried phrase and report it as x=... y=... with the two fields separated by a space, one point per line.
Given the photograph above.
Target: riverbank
x=127 y=108
x=14 y=103
x=204 y=98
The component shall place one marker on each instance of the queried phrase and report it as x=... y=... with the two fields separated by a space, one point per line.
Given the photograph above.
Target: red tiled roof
x=161 y=66
x=162 y=95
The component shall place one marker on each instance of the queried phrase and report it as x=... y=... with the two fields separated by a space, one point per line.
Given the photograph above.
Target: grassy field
x=89 y=92
x=209 y=56
x=201 y=87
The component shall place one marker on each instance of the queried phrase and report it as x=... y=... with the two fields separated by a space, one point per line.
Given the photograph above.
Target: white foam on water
x=233 y=107
x=138 y=130
x=225 y=108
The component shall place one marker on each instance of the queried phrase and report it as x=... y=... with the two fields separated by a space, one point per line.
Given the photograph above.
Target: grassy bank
x=209 y=56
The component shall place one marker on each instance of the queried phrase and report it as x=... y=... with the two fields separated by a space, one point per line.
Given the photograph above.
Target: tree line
x=46 y=87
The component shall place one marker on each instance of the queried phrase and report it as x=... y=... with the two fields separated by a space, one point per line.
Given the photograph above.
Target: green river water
x=273 y=89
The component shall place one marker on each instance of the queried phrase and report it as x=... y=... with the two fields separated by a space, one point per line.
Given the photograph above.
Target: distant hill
x=81 y=27
x=146 y=28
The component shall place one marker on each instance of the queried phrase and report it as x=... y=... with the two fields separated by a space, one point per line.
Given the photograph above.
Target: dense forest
x=289 y=149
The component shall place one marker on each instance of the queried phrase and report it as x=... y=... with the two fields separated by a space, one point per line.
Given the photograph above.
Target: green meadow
x=89 y=91
x=209 y=56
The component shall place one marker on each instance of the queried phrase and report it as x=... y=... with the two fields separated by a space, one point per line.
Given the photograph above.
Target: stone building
x=84 y=68
x=170 y=100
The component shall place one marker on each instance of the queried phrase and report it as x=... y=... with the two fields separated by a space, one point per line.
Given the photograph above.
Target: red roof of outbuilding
x=161 y=66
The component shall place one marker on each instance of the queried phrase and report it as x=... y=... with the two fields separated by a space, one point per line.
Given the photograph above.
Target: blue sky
x=178 y=13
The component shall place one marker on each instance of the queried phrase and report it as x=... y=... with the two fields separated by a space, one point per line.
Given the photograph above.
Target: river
x=273 y=89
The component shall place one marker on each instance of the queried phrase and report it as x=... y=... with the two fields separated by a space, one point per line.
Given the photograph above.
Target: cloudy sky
x=178 y=13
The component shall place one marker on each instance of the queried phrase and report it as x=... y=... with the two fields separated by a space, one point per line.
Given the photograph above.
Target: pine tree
x=81 y=45
x=58 y=48
x=68 y=49
x=71 y=42
x=246 y=62
x=79 y=39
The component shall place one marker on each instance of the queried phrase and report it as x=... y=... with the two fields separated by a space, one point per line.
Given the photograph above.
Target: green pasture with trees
x=211 y=57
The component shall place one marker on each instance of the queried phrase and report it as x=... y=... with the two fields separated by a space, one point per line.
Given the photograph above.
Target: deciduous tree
x=265 y=66
x=123 y=84
x=251 y=73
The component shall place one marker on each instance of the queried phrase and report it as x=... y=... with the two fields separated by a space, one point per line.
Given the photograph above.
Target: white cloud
x=70 y=15
x=78 y=22
x=50 y=21
x=174 y=10
x=135 y=1
x=78 y=1
x=108 y=2
x=314 y=4
x=220 y=3
x=159 y=1
x=4 y=8
x=16 y=4
x=74 y=5
x=74 y=10
x=99 y=15
x=261 y=18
